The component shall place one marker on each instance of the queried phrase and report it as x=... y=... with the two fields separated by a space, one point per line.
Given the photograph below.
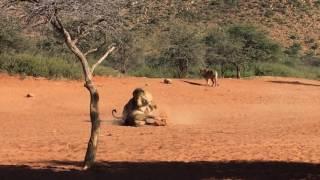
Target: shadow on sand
x=167 y=170
x=295 y=83
x=193 y=83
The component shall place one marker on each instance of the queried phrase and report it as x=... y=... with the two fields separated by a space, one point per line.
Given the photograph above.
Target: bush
x=240 y=46
x=104 y=70
x=268 y=69
x=294 y=50
x=50 y=67
x=150 y=72
x=256 y=45
x=10 y=37
x=277 y=69
x=38 y=65
x=311 y=61
x=182 y=51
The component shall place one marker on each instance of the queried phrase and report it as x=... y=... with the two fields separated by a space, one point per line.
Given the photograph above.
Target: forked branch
x=56 y=22
x=102 y=58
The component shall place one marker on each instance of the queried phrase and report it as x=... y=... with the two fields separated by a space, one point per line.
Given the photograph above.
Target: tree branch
x=102 y=58
x=91 y=51
x=82 y=35
x=56 y=22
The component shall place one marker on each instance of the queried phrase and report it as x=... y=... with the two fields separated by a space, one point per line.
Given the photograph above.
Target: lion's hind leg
x=212 y=81
x=135 y=119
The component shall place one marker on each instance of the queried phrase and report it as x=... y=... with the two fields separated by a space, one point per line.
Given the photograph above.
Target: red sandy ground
x=255 y=124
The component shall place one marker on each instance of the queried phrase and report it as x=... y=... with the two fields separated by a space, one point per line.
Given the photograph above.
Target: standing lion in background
x=210 y=74
x=139 y=110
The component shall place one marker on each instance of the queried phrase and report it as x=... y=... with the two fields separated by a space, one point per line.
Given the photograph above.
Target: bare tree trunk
x=95 y=125
x=123 y=68
x=94 y=95
x=238 y=72
x=222 y=70
x=237 y=66
x=183 y=66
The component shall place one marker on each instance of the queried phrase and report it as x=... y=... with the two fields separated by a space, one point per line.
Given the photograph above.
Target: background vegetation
x=177 y=45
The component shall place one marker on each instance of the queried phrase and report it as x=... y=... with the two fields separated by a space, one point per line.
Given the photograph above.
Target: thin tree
x=85 y=22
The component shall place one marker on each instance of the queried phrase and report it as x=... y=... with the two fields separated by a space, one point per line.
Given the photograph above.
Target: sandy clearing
x=260 y=119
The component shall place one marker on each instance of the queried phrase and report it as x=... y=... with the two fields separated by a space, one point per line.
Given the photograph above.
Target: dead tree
x=87 y=18
x=88 y=74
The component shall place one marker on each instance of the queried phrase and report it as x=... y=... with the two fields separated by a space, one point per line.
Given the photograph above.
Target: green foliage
x=126 y=57
x=104 y=70
x=10 y=38
x=146 y=71
x=183 y=51
x=45 y=66
x=37 y=65
x=164 y=49
x=222 y=49
x=293 y=50
x=256 y=45
x=311 y=60
x=268 y=69
x=240 y=45
x=51 y=46
x=278 y=69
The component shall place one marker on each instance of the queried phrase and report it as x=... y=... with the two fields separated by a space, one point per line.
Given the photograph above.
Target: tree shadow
x=115 y=122
x=167 y=170
x=295 y=83
x=193 y=83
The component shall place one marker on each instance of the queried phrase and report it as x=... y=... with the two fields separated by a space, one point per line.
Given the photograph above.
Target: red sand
x=260 y=119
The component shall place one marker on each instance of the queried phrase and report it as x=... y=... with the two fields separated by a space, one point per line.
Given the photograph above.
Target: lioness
x=210 y=74
x=139 y=110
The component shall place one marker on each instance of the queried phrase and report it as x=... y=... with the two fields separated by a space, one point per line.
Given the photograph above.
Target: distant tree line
x=167 y=42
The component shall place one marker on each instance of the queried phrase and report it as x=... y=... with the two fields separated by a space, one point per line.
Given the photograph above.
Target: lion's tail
x=115 y=116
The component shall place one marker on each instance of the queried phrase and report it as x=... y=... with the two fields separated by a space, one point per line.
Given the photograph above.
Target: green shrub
x=151 y=72
x=311 y=60
x=10 y=36
x=256 y=44
x=38 y=65
x=277 y=69
x=294 y=49
x=267 y=69
x=104 y=70
x=239 y=46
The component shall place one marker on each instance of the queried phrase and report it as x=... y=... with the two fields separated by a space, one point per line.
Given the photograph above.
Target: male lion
x=210 y=74
x=139 y=110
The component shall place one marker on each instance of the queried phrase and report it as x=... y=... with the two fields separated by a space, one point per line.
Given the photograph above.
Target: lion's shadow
x=295 y=83
x=194 y=83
